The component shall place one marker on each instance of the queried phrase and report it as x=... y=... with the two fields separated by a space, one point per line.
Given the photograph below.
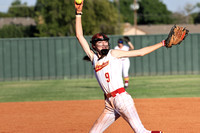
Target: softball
x=78 y=2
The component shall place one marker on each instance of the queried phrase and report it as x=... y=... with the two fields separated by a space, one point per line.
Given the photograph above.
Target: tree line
x=57 y=17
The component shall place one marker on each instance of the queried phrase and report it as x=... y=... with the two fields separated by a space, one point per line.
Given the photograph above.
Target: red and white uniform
x=107 y=73
x=110 y=79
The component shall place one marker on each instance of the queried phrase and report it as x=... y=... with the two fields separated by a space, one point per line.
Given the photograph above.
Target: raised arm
x=79 y=31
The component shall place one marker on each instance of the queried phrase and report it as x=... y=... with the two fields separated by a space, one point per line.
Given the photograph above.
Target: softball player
x=106 y=62
x=125 y=61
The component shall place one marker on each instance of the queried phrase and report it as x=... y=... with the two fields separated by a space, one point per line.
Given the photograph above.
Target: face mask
x=104 y=51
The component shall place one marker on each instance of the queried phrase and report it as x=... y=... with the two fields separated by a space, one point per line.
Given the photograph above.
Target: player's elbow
x=78 y=35
x=141 y=54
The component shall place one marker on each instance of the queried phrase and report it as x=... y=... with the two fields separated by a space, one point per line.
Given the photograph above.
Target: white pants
x=125 y=67
x=121 y=105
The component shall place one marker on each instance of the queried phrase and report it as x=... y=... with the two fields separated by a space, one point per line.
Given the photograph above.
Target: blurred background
x=47 y=18
x=38 y=36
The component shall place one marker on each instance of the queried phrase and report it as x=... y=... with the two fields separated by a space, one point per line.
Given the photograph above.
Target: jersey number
x=107 y=77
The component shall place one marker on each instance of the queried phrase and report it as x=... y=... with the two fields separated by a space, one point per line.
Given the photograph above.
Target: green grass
x=165 y=86
x=85 y=89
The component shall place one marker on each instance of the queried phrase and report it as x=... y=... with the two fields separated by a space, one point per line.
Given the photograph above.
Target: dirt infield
x=172 y=115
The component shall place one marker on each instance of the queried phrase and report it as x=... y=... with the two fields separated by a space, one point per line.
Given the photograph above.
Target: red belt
x=113 y=94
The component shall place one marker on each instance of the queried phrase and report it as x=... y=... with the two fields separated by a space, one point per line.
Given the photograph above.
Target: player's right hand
x=78 y=7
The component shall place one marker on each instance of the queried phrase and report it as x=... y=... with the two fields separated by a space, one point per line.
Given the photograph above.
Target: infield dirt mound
x=171 y=115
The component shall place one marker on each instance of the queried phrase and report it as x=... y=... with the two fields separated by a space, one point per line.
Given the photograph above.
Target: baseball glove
x=176 y=36
x=126 y=39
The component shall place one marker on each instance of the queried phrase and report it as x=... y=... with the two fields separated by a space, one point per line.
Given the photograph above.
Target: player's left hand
x=78 y=7
x=176 y=36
